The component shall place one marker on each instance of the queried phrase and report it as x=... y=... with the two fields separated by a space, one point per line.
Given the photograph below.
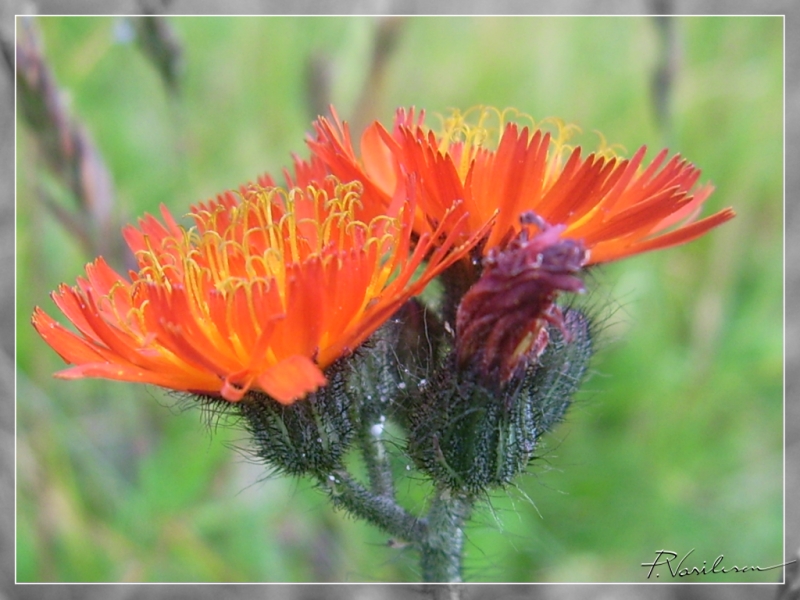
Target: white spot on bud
x=377 y=429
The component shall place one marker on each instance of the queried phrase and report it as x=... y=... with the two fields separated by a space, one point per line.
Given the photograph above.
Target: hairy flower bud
x=471 y=436
x=304 y=438
x=500 y=324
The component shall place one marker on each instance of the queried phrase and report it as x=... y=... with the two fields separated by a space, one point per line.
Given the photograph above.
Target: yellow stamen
x=482 y=127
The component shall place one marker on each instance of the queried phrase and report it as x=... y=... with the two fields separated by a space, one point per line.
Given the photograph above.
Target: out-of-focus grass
x=675 y=442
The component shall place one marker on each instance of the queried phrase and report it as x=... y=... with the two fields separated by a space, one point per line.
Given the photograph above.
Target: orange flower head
x=264 y=292
x=502 y=164
x=549 y=208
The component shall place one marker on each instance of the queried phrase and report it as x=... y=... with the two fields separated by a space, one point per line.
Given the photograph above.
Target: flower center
x=242 y=259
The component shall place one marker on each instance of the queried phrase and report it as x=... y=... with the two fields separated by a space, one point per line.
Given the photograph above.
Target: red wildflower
x=263 y=292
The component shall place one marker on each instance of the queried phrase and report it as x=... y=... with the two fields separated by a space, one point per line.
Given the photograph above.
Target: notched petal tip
x=291 y=379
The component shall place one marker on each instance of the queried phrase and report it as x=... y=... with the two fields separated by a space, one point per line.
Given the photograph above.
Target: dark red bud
x=500 y=323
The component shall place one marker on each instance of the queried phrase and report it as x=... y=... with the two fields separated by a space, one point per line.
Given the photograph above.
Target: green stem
x=439 y=537
x=376 y=459
x=381 y=511
x=372 y=385
x=441 y=550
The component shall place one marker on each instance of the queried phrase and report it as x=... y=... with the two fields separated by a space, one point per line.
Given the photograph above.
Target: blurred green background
x=674 y=443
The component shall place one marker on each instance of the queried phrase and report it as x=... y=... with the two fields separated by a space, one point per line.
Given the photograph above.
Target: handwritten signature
x=667 y=557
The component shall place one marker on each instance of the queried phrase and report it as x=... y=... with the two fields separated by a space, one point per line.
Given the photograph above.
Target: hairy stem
x=381 y=511
x=441 y=550
x=376 y=459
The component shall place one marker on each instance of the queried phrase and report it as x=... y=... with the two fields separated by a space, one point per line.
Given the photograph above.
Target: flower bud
x=471 y=436
x=308 y=437
x=500 y=324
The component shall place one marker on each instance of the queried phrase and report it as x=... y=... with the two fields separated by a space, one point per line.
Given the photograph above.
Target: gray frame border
x=790 y=9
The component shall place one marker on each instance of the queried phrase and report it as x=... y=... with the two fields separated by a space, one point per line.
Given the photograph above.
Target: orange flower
x=616 y=207
x=551 y=212
x=263 y=292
